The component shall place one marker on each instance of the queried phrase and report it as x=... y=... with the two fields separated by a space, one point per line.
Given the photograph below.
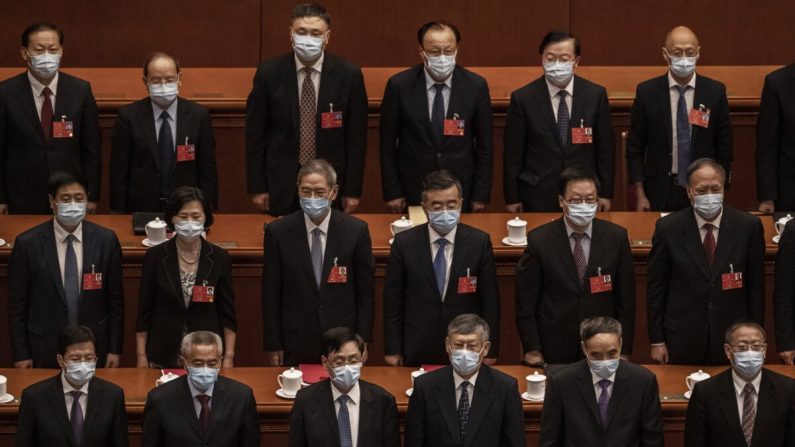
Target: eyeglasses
x=743 y=347
x=342 y=362
x=589 y=201
x=77 y=359
x=437 y=53
x=310 y=193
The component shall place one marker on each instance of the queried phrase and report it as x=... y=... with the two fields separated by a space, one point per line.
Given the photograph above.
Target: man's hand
x=274 y=358
x=787 y=357
x=396 y=206
x=228 y=362
x=490 y=361
x=514 y=207
x=394 y=360
x=112 y=361
x=765 y=206
x=642 y=204
x=142 y=361
x=24 y=364
x=3 y=208
x=349 y=204
x=262 y=202
x=91 y=208
x=660 y=354
x=604 y=205
x=478 y=207
x=533 y=358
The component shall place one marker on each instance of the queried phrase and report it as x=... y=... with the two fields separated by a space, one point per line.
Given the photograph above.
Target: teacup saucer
x=688 y=393
x=527 y=397
x=147 y=243
x=409 y=392
x=776 y=238
x=391 y=241
x=6 y=398
x=280 y=392
x=507 y=241
x=2 y=242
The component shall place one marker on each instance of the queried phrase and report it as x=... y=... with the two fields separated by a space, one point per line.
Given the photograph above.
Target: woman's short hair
x=182 y=195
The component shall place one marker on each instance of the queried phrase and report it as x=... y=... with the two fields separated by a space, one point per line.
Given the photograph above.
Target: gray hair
x=599 y=325
x=319 y=166
x=203 y=338
x=700 y=163
x=740 y=324
x=466 y=324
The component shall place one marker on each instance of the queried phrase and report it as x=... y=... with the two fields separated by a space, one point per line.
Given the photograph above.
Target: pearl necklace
x=190 y=261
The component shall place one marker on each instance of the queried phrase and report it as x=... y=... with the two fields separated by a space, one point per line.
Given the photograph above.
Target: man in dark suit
x=601 y=400
x=48 y=123
x=304 y=105
x=466 y=403
x=554 y=122
x=74 y=408
x=65 y=272
x=573 y=268
x=706 y=271
x=435 y=272
x=775 y=143
x=784 y=295
x=436 y=115
x=160 y=143
x=746 y=405
x=344 y=411
x=676 y=118
x=201 y=408
x=318 y=272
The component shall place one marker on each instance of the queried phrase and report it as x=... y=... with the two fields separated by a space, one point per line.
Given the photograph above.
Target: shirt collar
x=458 y=380
x=450 y=237
x=310 y=226
x=38 y=87
x=430 y=82
x=700 y=221
x=317 y=66
x=596 y=379
x=61 y=233
x=553 y=90
x=195 y=392
x=172 y=110
x=68 y=388
x=672 y=82
x=353 y=394
x=739 y=382
x=570 y=230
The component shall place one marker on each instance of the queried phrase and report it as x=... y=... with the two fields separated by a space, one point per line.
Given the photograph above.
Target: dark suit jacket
x=649 y=146
x=170 y=417
x=570 y=416
x=295 y=312
x=408 y=149
x=534 y=155
x=784 y=292
x=135 y=157
x=415 y=317
x=775 y=140
x=36 y=300
x=495 y=414
x=713 y=418
x=161 y=307
x=550 y=302
x=44 y=421
x=27 y=160
x=313 y=421
x=686 y=306
x=273 y=129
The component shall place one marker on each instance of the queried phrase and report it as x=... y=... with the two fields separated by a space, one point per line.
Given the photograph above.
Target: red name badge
x=699 y=117
x=62 y=129
x=468 y=284
x=92 y=281
x=186 y=152
x=581 y=135
x=601 y=283
x=732 y=280
x=331 y=120
x=454 y=127
x=338 y=275
x=203 y=294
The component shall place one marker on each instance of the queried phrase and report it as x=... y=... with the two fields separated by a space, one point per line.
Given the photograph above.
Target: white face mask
x=440 y=67
x=71 y=213
x=464 y=361
x=708 y=206
x=346 y=376
x=307 y=48
x=79 y=373
x=559 y=73
x=45 y=65
x=164 y=94
x=682 y=66
x=581 y=214
x=188 y=230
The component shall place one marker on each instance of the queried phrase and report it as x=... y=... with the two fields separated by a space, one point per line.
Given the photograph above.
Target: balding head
x=681 y=41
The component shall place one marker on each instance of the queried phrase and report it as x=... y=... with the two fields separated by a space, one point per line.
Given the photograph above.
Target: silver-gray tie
x=317 y=255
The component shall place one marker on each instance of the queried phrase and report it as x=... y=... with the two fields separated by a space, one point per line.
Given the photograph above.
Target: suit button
x=438 y=155
x=669 y=174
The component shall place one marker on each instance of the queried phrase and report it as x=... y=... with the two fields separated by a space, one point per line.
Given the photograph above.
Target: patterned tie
x=308 y=108
x=317 y=254
x=204 y=414
x=71 y=283
x=604 y=401
x=563 y=118
x=709 y=243
x=46 y=114
x=440 y=265
x=682 y=135
x=463 y=410
x=76 y=417
x=749 y=412
x=165 y=143
x=579 y=256
x=344 y=422
x=437 y=118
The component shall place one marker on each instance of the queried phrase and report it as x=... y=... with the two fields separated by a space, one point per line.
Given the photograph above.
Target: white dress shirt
x=38 y=95
x=77 y=244
x=715 y=224
x=318 y=68
x=598 y=388
x=739 y=386
x=310 y=227
x=67 y=389
x=430 y=87
x=195 y=392
x=353 y=408
x=448 y=251
x=458 y=380
x=553 y=96
x=172 y=120
x=585 y=242
x=674 y=94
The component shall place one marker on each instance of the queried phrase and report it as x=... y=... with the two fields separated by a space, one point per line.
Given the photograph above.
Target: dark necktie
x=463 y=410
x=709 y=243
x=604 y=401
x=437 y=117
x=682 y=135
x=204 y=413
x=308 y=108
x=440 y=265
x=749 y=412
x=46 y=114
x=563 y=118
x=579 y=256
x=71 y=283
x=165 y=142
x=344 y=422
x=317 y=255
x=76 y=417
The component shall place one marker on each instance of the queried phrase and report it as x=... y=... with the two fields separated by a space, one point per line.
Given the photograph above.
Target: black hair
x=72 y=335
x=440 y=180
x=59 y=179
x=437 y=25
x=158 y=55
x=599 y=325
x=182 y=195
x=743 y=323
x=310 y=10
x=704 y=161
x=334 y=338
x=559 y=36
x=41 y=26
x=574 y=174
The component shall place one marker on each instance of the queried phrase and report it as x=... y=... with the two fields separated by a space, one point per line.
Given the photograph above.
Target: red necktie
x=709 y=243
x=204 y=414
x=46 y=114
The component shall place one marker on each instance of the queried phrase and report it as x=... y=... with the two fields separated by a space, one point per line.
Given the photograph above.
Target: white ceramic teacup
x=536 y=385
x=290 y=381
x=517 y=230
x=156 y=231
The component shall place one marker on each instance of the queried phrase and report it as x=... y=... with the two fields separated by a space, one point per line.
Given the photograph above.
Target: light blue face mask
x=748 y=363
x=188 y=230
x=708 y=206
x=444 y=221
x=347 y=375
x=307 y=48
x=315 y=207
x=45 y=65
x=202 y=378
x=164 y=94
x=559 y=73
x=71 y=214
x=683 y=66
x=604 y=368
x=440 y=67
x=79 y=373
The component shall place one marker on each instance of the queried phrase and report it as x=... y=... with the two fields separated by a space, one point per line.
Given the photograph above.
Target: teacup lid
x=517 y=222
x=700 y=375
x=157 y=222
x=418 y=372
x=292 y=373
x=403 y=222
x=786 y=218
x=536 y=377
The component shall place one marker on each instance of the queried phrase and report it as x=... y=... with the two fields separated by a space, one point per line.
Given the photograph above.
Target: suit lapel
x=366 y=411
x=620 y=388
x=765 y=407
x=51 y=254
x=89 y=250
x=693 y=244
x=290 y=75
x=93 y=401
x=171 y=267
x=328 y=83
x=564 y=250
x=596 y=249
x=422 y=106
x=586 y=387
x=301 y=244
x=544 y=104
x=577 y=112
x=218 y=405
x=481 y=402
x=454 y=105
x=148 y=123
x=58 y=405
x=725 y=246
x=426 y=258
x=183 y=114
x=699 y=97
x=336 y=229
x=63 y=99
x=185 y=399
x=327 y=408
x=25 y=93
x=447 y=403
x=457 y=267
x=665 y=106
x=206 y=265
x=727 y=399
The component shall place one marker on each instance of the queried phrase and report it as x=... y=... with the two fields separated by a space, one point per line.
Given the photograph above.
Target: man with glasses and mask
x=65 y=272
x=466 y=402
x=436 y=272
x=160 y=143
x=304 y=105
x=74 y=407
x=48 y=123
x=201 y=408
x=601 y=399
x=573 y=268
x=318 y=272
x=706 y=271
x=557 y=121
x=746 y=405
x=365 y=414
x=676 y=118
x=436 y=115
